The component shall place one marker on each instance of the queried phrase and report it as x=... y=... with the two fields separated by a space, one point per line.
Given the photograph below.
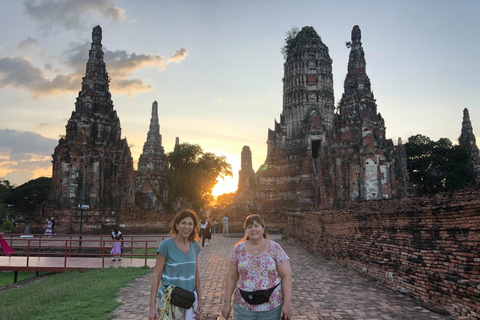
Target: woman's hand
x=198 y=311
x=153 y=313
x=226 y=309
x=287 y=311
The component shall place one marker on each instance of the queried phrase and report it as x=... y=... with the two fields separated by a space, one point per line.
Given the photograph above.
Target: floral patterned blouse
x=258 y=273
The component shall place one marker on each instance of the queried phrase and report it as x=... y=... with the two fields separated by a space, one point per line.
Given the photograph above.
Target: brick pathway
x=322 y=289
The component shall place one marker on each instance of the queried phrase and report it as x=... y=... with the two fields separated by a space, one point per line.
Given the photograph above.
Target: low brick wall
x=426 y=247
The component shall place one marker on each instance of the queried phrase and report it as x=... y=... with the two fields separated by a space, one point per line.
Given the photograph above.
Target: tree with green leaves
x=192 y=173
x=437 y=166
x=29 y=196
x=290 y=41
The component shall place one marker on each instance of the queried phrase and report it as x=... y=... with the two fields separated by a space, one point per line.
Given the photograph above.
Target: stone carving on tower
x=150 y=177
x=92 y=164
x=467 y=139
x=319 y=158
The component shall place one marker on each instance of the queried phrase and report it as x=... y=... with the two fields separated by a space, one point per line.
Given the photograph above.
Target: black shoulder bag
x=257 y=297
x=182 y=298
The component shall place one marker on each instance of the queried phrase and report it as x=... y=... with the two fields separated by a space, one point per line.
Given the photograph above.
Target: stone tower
x=305 y=123
x=246 y=180
x=319 y=158
x=150 y=178
x=366 y=166
x=92 y=164
x=467 y=139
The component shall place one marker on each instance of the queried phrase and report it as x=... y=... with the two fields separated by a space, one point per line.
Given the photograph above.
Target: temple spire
x=154 y=138
x=357 y=81
x=467 y=139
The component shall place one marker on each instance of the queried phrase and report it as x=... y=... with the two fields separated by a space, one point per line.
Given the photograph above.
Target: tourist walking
x=203 y=233
x=258 y=276
x=208 y=232
x=225 y=224
x=49 y=229
x=177 y=267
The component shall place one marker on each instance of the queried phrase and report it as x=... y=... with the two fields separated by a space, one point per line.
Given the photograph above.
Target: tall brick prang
x=467 y=139
x=317 y=157
x=150 y=176
x=92 y=164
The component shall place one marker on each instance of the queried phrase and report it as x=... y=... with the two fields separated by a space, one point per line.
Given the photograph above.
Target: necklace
x=256 y=251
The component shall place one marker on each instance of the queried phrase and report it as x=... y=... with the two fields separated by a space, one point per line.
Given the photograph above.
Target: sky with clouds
x=215 y=68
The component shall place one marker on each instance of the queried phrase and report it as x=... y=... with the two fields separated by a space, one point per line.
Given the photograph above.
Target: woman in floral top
x=258 y=263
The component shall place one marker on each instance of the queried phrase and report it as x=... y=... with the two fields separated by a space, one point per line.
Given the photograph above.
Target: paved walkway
x=322 y=289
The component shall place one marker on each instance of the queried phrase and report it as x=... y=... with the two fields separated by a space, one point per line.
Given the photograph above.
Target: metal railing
x=68 y=246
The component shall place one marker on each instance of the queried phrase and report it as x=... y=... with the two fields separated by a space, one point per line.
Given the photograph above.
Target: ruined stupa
x=317 y=157
x=92 y=164
x=150 y=176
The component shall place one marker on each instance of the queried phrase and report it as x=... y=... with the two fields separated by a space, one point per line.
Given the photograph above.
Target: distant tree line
x=438 y=166
x=25 y=198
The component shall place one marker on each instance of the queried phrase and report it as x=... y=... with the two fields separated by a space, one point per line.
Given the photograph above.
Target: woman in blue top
x=177 y=264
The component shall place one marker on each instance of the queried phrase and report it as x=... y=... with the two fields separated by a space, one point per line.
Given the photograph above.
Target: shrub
x=7 y=226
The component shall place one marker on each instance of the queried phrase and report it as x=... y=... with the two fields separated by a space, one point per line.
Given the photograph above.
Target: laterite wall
x=426 y=247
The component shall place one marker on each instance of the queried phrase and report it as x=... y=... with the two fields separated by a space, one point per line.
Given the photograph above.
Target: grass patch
x=152 y=251
x=6 y=277
x=69 y=295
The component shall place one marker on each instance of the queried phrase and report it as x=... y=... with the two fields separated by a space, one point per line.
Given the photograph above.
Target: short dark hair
x=250 y=220
x=182 y=215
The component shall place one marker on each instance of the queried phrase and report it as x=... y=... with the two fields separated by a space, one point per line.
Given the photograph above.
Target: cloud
x=24 y=153
x=120 y=66
x=178 y=56
x=21 y=73
x=219 y=100
x=69 y=14
x=27 y=44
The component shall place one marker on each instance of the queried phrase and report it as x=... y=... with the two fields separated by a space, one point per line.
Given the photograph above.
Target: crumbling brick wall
x=426 y=247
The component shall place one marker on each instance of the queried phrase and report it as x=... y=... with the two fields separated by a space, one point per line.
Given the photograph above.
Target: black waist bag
x=257 y=297
x=182 y=298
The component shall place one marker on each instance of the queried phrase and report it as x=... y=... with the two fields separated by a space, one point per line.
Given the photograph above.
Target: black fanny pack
x=182 y=298
x=259 y=296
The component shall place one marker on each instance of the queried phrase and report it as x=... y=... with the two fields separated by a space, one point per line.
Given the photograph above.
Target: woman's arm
x=157 y=276
x=198 y=288
x=286 y=274
x=230 y=281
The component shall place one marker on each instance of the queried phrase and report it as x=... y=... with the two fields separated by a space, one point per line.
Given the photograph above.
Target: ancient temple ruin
x=92 y=164
x=317 y=157
x=246 y=179
x=150 y=176
x=467 y=139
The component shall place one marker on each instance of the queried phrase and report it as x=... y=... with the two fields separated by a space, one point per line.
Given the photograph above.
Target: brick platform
x=322 y=289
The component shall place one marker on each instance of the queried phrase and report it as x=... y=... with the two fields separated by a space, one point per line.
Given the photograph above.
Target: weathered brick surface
x=425 y=247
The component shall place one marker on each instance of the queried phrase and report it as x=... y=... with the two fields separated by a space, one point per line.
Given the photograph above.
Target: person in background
x=177 y=265
x=53 y=224
x=115 y=233
x=203 y=230
x=116 y=249
x=48 y=230
x=258 y=263
x=225 y=224
x=208 y=232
